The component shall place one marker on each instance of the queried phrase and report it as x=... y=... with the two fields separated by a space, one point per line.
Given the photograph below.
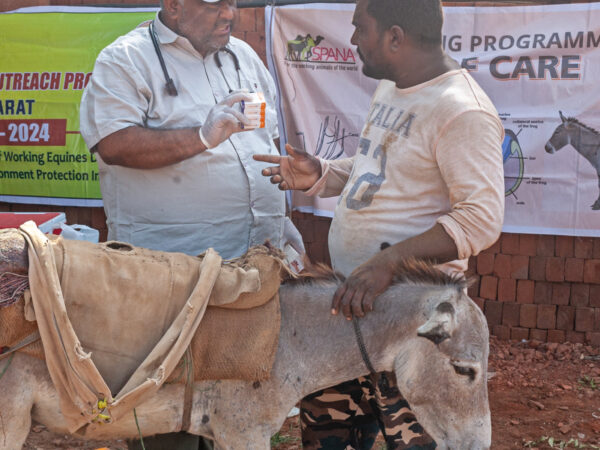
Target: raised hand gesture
x=298 y=170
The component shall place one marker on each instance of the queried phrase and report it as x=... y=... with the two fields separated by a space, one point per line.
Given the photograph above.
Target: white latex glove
x=223 y=120
x=292 y=236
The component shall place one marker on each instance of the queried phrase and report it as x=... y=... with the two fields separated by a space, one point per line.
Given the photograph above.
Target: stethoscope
x=170 y=85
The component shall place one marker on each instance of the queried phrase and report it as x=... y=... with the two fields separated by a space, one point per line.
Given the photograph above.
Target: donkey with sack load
x=424 y=328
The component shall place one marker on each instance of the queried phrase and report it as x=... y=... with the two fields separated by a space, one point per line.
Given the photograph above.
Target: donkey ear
x=563 y=118
x=440 y=325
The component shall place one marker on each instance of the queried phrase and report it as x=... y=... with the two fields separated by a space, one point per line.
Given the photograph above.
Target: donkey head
x=562 y=135
x=444 y=374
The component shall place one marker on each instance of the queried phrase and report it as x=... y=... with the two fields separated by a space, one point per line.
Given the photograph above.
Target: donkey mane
x=315 y=273
x=583 y=125
x=410 y=271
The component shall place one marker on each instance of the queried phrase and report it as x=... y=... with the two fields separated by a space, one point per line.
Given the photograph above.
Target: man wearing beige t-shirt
x=426 y=182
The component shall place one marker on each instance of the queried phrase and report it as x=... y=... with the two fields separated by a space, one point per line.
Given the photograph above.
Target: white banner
x=538 y=64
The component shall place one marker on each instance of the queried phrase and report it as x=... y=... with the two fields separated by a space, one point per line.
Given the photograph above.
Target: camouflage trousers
x=350 y=415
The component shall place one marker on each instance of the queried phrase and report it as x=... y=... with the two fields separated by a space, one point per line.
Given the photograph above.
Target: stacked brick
x=250 y=27
x=539 y=287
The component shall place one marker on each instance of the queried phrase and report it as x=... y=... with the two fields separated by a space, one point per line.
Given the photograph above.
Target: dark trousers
x=172 y=441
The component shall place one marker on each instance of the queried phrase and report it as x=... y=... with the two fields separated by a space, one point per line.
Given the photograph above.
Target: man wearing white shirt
x=163 y=113
x=162 y=186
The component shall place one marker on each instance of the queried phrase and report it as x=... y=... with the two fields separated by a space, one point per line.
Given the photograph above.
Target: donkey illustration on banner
x=582 y=138
x=300 y=49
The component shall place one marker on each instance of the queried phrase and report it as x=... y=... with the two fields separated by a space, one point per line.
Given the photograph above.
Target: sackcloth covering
x=118 y=318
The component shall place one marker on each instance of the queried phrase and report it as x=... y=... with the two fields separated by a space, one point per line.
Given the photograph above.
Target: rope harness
x=12 y=286
x=383 y=382
x=6 y=351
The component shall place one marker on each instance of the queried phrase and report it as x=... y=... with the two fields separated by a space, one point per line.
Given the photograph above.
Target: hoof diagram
x=514 y=166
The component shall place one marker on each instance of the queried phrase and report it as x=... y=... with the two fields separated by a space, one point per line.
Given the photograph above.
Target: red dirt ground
x=541 y=396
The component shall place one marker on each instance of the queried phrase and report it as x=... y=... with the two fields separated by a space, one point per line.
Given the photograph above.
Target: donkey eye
x=465 y=371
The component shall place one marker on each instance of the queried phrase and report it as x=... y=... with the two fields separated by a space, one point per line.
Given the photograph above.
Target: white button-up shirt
x=216 y=199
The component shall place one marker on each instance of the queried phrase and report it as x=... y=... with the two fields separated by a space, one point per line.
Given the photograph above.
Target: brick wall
x=529 y=286
x=540 y=287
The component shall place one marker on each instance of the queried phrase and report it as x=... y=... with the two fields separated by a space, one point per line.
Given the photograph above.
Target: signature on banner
x=332 y=139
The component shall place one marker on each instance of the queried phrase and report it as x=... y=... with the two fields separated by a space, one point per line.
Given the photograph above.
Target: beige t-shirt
x=216 y=199
x=427 y=154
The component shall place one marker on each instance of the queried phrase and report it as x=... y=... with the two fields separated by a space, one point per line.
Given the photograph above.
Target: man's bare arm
x=145 y=148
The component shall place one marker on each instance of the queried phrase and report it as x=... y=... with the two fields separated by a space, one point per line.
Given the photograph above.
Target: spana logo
x=307 y=49
x=300 y=49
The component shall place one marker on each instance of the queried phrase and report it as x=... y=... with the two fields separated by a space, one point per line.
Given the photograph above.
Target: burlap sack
x=121 y=300
x=242 y=343
x=244 y=334
x=83 y=395
x=267 y=261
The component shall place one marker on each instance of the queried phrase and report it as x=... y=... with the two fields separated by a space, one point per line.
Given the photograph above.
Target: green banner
x=47 y=60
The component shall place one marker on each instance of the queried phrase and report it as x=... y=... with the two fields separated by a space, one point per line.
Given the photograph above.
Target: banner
x=538 y=64
x=48 y=54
